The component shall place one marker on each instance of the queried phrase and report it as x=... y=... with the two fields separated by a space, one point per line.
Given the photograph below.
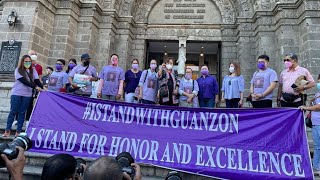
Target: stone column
x=86 y=40
x=64 y=32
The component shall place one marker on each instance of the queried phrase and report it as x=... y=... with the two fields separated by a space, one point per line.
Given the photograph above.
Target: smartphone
x=294 y=86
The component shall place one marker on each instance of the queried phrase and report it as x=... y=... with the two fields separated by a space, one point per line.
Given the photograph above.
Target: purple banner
x=224 y=143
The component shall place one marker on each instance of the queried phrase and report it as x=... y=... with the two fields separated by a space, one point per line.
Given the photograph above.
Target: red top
x=38 y=68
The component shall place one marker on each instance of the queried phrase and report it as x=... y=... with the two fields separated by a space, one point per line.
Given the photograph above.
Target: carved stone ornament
x=142 y=9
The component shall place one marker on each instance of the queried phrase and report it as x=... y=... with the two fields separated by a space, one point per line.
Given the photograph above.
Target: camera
x=173 y=175
x=125 y=159
x=10 y=149
x=79 y=167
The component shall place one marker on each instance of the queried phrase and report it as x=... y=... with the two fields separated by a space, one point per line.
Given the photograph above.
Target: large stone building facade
x=240 y=29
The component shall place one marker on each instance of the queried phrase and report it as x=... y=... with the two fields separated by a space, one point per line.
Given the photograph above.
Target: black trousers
x=262 y=104
x=293 y=104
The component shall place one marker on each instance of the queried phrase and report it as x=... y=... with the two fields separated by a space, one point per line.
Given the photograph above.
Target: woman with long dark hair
x=26 y=81
x=71 y=65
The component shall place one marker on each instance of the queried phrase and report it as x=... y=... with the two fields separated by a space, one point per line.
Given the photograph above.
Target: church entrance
x=198 y=53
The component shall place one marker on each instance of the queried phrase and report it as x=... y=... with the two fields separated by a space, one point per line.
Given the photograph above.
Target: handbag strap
x=85 y=70
x=145 y=77
x=254 y=76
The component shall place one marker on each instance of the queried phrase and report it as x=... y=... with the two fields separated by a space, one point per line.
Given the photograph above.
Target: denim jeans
x=19 y=105
x=108 y=97
x=207 y=102
x=129 y=97
x=316 y=141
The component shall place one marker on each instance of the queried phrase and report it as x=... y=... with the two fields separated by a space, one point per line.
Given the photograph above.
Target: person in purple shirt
x=208 y=89
x=84 y=69
x=26 y=81
x=233 y=87
x=132 y=78
x=111 y=80
x=149 y=84
x=59 y=78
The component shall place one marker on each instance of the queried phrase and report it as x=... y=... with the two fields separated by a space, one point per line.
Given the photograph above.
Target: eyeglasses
x=286 y=60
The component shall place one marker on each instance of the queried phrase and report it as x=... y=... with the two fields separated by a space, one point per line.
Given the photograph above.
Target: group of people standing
x=156 y=85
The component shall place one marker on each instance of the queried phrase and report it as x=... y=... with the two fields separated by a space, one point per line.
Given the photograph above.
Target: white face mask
x=33 y=57
x=169 y=66
x=231 y=69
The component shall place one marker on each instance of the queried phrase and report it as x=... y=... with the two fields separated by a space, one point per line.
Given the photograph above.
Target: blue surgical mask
x=318 y=86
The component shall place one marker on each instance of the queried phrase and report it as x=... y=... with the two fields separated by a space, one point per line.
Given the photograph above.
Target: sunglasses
x=286 y=60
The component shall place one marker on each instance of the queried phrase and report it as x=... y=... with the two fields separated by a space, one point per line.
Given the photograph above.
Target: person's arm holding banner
x=311 y=108
x=121 y=86
x=100 y=88
x=120 y=91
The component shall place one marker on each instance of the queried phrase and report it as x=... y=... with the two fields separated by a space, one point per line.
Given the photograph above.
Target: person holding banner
x=59 y=78
x=82 y=75
x=315 y=118
x=132 y=78
x=111 y=80
x=208 y=89
x=263 y=82
x=188 y=90
x=233 y=87
x=169 y=84
x=289 y=93
x=148 y=84
x=26 y=81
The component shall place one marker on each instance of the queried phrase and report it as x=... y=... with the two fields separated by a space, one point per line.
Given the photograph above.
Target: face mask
x=71 y=66
x=169 y=66
x=318 y=86
x=27 y=65
x=135 y=66
x=231 y=69
x=204 y=72
x=153 y=66
x=188 y=76
x=86 y=62
x=59 y=67
x=261 y=65
x=34 y=57
x=114 y=62
x=288 y=64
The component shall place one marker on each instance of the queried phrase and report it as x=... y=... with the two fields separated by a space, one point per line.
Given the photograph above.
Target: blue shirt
x=315 y=115
x=208 y=87
x=232 y=86
x=132 y=81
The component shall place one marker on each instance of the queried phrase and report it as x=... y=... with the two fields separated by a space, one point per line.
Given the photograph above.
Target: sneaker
x=6 y=134
x=15 y=123
x=17 y=134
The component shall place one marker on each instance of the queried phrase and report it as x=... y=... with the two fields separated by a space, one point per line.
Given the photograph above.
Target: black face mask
x=86 y=62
